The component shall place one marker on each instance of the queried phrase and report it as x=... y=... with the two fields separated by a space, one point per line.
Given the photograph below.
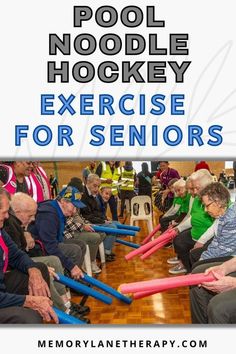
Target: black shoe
x=82 y=310
x=109 y=258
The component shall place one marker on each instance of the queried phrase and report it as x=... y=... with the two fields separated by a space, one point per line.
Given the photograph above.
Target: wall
x=68 y=169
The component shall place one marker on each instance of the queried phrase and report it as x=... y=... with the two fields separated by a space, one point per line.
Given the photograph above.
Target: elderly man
x=193 y=228
x=49 y=227
x=24 y=292
x=22 y=212
x=93 y=212
x=79 y=228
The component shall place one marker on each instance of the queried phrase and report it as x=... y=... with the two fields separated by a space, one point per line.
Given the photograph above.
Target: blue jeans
x=109 y=239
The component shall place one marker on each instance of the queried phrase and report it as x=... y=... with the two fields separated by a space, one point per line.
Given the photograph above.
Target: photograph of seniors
x=117 y=242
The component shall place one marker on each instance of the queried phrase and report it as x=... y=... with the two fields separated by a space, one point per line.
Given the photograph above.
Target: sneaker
x=95 y=268
x=168 y=245
x=173 y=260
x=179 y=269
x=81 y=309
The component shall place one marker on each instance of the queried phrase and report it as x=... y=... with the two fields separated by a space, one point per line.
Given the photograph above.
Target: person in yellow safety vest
x=110 y=173
x=128 y=178
x=91 y=168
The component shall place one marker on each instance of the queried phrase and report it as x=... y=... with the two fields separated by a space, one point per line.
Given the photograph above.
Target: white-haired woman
x=180 y=205
x=197 y=224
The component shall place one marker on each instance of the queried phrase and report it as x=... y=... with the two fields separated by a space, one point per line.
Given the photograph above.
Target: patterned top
x=224 y=241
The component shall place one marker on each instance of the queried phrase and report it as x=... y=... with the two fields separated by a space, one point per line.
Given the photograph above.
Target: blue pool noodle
x=73 y=284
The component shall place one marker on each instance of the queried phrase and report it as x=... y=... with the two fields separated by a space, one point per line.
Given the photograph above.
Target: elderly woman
x=180 y=205
x=197 y=224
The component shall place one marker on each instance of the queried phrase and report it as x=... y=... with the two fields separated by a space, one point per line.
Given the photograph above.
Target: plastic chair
x=141 y=209
x=87 y=259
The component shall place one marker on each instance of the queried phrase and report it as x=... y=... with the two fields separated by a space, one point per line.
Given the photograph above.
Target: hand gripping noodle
x=150 y=287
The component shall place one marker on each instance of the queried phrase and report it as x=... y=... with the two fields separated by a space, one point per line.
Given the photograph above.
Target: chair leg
x=102 y=253
x=87 y=262
x=131 y=222
x=150 y=226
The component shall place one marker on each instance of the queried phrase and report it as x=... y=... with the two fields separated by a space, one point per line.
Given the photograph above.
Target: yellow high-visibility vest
x=107 y=174
x=127 y=177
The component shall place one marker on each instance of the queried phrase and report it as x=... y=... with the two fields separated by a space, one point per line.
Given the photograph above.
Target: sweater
x=224 y=241
x=48 y=228
x=17 y=259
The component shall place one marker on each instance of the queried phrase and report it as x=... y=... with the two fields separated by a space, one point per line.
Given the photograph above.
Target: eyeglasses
x=206 y=206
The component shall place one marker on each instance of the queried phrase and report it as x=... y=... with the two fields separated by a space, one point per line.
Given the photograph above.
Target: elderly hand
x=220 y=285
x=42 y=305
x=76 y=273
x=88 y=228
x=198 y=245
x=29 y=240
x=37 y=285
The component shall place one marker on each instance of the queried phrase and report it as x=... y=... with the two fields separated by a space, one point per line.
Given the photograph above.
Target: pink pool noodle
x=163 y=284
x=152 y=250
x=148 y=238
x=147 y=246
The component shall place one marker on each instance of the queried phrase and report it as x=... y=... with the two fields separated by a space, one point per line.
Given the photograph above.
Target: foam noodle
x=169 y=237
x=126 y=243
x=154 y=249
x=154 y=231
x=148 y=245
x=114 y=231
x=163 y=284
x=73 y=284
x=106 y=288
x=128 y=227
x=64 y=318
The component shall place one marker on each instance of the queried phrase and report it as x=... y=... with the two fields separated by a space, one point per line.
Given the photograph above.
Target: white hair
x=21 y=201
x=203 y=176
x=180 y=183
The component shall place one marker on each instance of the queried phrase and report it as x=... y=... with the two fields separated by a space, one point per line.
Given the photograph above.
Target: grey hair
x=92 y=177
x=216 y=192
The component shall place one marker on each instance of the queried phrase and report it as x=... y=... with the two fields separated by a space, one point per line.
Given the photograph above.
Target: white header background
x=209 y=85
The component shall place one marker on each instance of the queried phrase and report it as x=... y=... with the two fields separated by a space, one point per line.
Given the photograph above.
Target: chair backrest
x=141 y=205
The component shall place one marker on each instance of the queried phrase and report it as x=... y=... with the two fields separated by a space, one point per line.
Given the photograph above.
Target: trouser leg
x=73 y=251
x=19 y=315
x=183 y=243
x=92 y=239
x=17 y=282
x=113 y=207
x=57 y=289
